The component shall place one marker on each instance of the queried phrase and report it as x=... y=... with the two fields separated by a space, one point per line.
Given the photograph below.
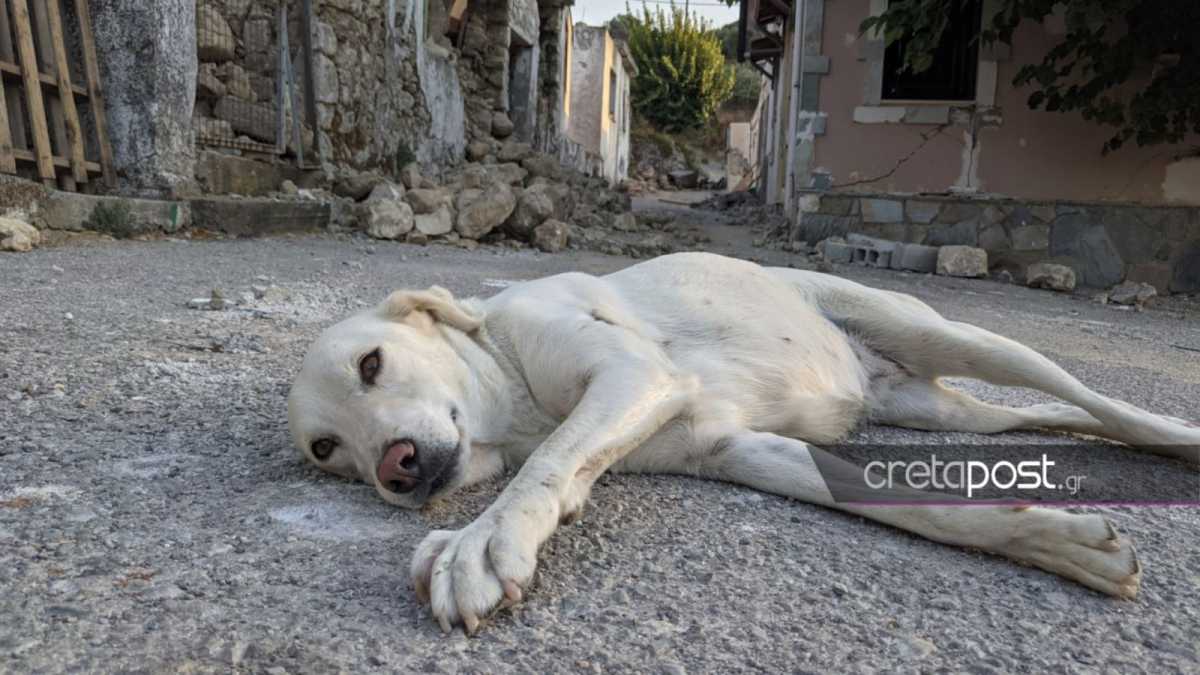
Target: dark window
x=952 y=75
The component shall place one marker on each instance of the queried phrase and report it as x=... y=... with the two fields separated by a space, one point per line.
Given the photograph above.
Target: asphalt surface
x=154 y=517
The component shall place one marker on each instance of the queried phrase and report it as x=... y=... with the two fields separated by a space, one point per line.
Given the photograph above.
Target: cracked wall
x=1006 y=150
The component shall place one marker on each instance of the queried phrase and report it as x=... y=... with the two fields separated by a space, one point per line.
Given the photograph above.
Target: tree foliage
x=682 y=74
x=1130 y=64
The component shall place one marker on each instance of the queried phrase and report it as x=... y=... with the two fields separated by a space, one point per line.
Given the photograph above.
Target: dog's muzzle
x=405 y=467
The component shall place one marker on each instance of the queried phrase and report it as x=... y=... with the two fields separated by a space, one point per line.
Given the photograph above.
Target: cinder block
x=837 y=252
x=871 y=242
x=915 y=258
x=877 y=258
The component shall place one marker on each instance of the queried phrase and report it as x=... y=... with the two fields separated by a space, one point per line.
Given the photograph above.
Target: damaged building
x=337 y=86
x=848 y=142
x=390 y=116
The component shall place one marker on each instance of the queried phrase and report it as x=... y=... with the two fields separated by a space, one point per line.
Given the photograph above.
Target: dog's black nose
x=399 y=471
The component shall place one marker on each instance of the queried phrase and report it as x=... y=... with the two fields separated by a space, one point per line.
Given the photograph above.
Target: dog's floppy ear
x=436 y=302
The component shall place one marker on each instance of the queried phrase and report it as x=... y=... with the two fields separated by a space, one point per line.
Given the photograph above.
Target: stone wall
x=1104 y=243
x=375 y=81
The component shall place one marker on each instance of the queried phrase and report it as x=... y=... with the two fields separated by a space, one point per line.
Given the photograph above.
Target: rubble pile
x=506 y=193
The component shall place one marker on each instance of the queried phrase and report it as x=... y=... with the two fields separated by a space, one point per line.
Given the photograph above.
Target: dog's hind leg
x=905 y=401
x=1082 y=547
x=927 y=346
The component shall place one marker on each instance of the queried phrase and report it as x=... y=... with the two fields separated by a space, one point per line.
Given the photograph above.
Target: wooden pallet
x=41 y=132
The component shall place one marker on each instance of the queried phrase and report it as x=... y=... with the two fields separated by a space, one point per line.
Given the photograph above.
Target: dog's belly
x=766 y=358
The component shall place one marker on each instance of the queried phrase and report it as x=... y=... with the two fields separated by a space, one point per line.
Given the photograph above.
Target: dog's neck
x=503 y=415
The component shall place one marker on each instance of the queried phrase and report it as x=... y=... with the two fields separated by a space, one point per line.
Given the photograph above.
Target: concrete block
x=118 y=216
x=249 y=217
x=836 y=251
x=871 y=242
x=914 y=258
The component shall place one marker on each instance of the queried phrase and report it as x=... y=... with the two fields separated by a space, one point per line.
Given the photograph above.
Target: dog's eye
x=323 y=448
x=368 y=367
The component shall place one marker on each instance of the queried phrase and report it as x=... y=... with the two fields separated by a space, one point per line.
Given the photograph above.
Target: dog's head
x=380 y=397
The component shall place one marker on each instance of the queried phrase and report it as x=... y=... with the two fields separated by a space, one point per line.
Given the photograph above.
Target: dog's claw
x=445 y=624
x=422 y=592
x=512 y=591
x=470 y=623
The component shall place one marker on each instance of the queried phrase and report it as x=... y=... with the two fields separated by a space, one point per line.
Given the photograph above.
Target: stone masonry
x=1103 y=243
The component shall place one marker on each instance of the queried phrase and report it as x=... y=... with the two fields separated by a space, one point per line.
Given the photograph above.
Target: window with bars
x=951 y=77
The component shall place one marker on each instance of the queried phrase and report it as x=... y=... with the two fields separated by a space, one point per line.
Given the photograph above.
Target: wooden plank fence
x=51 y=128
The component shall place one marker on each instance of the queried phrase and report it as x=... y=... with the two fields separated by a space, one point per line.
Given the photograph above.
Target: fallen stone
x=478 y=150
x=542 y=166
x=388 y=218
x=18 y=236
x=425 y=201
x=533 y=208
x=915 y=258
x=417 y=237
x=1132 y=293
x=486 y=212
x=502 y=125
x=513 y=151
x=475 y=176
x=1051 y=276
x=386 y=191
x=410 y=175
x=962 y=261
x=508 y=172
x=289 y=188
x=551 y=236
x=435 y=224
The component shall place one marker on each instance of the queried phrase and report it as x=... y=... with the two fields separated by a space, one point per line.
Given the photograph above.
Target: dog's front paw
x=464 y=575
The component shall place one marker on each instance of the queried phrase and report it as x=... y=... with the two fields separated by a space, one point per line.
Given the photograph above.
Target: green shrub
x=682 y=74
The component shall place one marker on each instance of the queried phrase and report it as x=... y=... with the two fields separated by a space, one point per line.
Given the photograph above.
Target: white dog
x=689 y=364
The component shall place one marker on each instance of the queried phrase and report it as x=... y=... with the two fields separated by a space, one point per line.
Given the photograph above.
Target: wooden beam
x=60 y=162
x=10 y=69
x=7 y=163
x=33 y=91
x=74 y=130
x=91 y=70
x=47 y=63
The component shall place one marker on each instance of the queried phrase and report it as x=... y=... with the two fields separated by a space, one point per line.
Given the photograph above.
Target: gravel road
x=153 y=516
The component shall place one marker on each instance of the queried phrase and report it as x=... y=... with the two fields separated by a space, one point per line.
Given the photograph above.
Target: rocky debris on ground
x=1050 y=276
x=1132 y=293
x=18 y=236
x=724 y=201
x=216 y=301
x=551 y=236
x=962 y=261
